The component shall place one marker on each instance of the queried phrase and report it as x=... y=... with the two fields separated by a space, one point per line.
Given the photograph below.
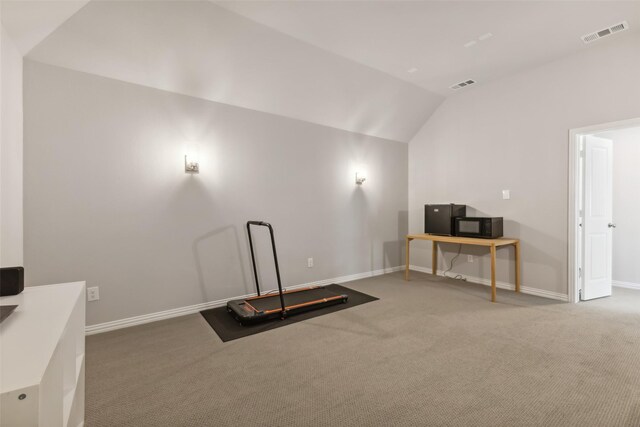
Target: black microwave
x=487 y=228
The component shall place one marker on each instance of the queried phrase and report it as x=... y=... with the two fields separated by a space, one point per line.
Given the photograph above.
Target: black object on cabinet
x=11 y=281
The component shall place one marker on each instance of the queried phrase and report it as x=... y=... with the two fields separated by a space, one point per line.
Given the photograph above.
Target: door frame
x=574 y=249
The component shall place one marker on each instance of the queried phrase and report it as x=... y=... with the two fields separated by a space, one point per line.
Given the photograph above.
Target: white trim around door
x=575 y=136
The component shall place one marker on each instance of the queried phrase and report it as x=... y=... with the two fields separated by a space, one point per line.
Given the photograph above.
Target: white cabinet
x=42 y=357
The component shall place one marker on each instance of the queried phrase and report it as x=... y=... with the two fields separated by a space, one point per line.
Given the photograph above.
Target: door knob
x=612 y=225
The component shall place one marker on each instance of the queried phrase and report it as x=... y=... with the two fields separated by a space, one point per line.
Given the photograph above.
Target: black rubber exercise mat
x=229 y=329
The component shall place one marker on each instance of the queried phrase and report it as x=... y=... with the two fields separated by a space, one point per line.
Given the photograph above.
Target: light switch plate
x=506 y=194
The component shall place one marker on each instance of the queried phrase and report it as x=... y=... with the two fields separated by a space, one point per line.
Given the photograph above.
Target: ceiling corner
x=28 y=23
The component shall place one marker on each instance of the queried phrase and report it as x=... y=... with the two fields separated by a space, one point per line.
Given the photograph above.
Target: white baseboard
x=182 y=311
x=629 y=285
x=502 y=285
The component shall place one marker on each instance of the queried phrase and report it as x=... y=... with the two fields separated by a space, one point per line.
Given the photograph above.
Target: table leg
x=434 y=258
x=493 y=273
x=406 y=269
x=517 y=245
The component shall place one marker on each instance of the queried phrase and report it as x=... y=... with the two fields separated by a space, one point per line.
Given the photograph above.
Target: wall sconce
x=191 y=164
x=360 y=178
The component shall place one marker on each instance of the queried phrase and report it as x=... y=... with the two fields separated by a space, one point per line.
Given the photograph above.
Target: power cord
x=458 y=276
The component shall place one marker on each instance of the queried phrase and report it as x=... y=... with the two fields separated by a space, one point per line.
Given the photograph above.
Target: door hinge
x=579 y=294
x=580 y=273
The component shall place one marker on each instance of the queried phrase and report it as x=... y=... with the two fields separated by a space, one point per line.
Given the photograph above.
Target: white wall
x=107 y=199
x=626 y=204
x=11 y=244
x=513 y=134
x=200 y=49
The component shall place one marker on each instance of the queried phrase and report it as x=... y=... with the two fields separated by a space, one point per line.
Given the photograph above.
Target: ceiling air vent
x=588 y=38
x=462 y=84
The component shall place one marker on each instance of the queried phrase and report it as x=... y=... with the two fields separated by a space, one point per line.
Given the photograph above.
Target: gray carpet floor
x=431 y=352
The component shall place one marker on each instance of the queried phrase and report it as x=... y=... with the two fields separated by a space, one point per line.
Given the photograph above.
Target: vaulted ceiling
x=430 y=36
x=379 y=68
x=30 y=22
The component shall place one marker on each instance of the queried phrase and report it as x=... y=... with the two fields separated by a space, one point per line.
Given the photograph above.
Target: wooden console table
x=491 y=243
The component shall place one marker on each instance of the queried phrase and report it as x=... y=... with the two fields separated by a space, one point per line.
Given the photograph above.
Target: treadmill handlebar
x=262 y=223
x=275 y=259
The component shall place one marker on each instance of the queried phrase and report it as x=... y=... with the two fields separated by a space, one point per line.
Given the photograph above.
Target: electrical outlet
x=469 y=258
x=93 y=294
x=309 y=262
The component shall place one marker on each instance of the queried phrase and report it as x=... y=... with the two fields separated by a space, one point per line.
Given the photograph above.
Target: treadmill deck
x=250 y=310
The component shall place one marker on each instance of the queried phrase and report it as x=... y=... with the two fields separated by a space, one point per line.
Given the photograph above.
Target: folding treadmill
x=281 y=304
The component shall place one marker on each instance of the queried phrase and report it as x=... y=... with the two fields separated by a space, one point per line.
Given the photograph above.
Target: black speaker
x=11 y=281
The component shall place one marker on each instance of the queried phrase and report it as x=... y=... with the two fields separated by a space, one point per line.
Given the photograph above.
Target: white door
x=597 y=220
